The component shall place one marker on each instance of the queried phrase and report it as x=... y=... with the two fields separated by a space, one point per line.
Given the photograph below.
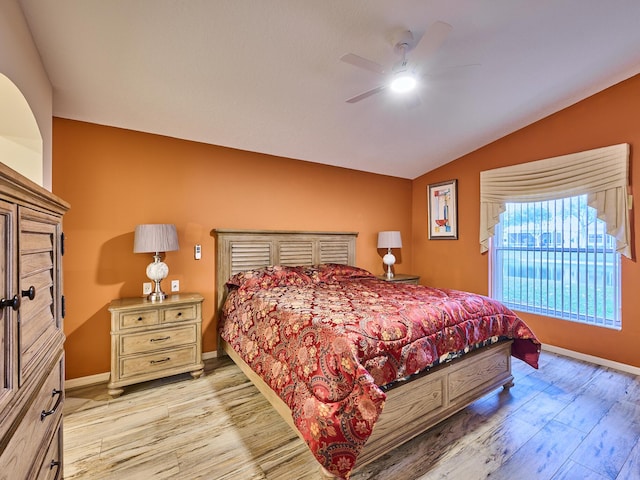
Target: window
x=555 y=258
x=562 y=224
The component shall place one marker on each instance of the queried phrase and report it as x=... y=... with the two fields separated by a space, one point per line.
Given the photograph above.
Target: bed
x=368 y=411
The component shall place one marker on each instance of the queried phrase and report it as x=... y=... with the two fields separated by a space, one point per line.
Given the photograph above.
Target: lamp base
x=389 y=259
x=156 y=297
x=157 y=271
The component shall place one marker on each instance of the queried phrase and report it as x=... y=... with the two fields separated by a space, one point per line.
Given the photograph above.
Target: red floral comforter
x=326 y=338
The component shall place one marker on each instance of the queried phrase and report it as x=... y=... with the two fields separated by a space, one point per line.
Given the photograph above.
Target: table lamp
x=156 y=238
x=389 y=240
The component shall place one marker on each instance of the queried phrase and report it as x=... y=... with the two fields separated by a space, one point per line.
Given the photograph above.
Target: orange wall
x=107 y=174
x=115 y=179
x=608 y=118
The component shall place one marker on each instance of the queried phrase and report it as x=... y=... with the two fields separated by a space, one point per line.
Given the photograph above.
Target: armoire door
x=8 y=286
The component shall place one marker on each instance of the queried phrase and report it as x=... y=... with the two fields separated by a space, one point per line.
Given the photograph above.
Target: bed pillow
x=269 y=277
x=328 y=272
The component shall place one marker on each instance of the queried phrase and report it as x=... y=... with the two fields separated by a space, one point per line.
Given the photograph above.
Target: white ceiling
x=265 y=76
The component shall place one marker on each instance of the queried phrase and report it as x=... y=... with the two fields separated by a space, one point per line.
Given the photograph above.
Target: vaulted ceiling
x=266 y=76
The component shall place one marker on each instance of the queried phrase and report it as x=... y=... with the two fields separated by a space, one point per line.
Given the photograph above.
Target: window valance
x=601 y=173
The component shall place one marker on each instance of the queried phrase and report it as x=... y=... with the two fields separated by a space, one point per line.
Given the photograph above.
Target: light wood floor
x=568 y=420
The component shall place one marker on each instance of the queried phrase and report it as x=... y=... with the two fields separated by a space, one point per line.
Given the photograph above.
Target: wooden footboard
x=417 y=405
x=414 y=406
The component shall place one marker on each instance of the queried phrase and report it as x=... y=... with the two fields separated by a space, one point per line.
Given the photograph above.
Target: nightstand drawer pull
x=44 y=413
x=164 y=360
x=161 y=339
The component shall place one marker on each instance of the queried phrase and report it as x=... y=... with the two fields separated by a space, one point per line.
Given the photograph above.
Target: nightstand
x=401 y=278
x=152 y=340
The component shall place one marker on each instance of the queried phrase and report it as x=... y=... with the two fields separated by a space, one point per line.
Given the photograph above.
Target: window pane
x=556 y=259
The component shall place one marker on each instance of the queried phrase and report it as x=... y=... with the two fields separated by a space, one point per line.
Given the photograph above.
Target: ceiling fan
x=403 y=76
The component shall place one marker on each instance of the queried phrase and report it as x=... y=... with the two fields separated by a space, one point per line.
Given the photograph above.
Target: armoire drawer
x=36 y=428
x=51 y=468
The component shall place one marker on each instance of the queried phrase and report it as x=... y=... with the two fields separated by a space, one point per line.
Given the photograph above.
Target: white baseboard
x=623 y=367
x=86 y=381
x=209 y=355
x=104 y=377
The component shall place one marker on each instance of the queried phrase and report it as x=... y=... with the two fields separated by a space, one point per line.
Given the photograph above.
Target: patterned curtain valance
x=601 y=173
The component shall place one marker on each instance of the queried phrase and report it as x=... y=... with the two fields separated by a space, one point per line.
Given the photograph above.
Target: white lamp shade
x=155 y=237
x=389 y=239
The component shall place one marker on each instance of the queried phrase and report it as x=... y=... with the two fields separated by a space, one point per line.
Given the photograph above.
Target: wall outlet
x=146 y=288
x=175 y=285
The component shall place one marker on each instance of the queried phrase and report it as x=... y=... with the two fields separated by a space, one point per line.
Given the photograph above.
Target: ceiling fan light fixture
x=404 y=76
x=403 y=82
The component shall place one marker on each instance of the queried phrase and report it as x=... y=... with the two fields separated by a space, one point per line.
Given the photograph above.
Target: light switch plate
x=175 y=285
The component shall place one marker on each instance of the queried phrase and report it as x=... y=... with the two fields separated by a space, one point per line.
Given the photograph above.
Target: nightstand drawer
x=151 y=341
x=139 y=319
x=180 y=314
x=161 y=361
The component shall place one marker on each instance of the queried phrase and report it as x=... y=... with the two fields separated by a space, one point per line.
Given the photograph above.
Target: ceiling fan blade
x=435 y=36
x=361 y=62
x=366 y=94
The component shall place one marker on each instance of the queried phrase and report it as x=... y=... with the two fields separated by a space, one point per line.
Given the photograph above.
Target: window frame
x=588 y=288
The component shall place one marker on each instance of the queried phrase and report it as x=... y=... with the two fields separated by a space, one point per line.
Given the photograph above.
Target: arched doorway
x=20 y=139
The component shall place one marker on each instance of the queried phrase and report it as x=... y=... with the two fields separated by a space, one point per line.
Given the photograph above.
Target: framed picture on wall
x=443 y=210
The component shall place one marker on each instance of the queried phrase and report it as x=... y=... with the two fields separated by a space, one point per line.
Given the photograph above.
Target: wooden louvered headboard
x=240 y=250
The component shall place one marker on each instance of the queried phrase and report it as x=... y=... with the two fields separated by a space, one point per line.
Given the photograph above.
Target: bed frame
x=412 y=407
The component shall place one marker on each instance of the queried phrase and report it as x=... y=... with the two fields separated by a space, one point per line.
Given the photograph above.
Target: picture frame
x=443 y=210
